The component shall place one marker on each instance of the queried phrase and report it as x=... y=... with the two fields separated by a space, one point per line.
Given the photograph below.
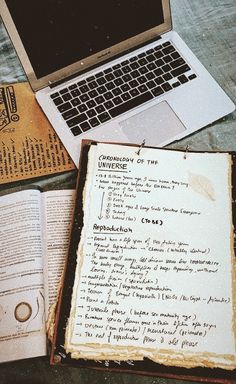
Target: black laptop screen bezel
x=83 y=64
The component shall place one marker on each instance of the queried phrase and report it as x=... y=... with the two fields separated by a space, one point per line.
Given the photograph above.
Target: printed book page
x=58 y=215
x=155 y=272
x=34 y=238
x=22 y=300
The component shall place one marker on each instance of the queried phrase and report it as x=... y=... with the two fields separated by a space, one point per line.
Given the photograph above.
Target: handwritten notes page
x=155 y=266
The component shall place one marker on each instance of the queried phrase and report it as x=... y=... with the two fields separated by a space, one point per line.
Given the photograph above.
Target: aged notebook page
x=155 y=266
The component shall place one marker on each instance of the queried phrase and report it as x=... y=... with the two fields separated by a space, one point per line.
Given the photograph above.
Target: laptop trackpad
x=156 y=125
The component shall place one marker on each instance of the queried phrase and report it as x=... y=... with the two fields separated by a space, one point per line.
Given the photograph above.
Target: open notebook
x=149 y=285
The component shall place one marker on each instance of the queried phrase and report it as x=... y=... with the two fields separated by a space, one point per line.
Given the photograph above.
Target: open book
x=34 y=238
x=150 y=279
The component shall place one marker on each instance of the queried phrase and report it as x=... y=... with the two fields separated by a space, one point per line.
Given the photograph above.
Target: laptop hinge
x=53 y=85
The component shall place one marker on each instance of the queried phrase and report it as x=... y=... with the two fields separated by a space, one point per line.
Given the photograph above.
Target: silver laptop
x=112 y=71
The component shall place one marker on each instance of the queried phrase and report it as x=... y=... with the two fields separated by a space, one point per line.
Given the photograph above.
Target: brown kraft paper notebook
x=29 y=147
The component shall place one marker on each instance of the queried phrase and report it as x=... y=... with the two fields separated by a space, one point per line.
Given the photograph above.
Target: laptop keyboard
x=124 y=86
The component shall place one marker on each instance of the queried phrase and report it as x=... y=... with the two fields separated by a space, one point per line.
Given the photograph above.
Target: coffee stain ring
x=23 y=311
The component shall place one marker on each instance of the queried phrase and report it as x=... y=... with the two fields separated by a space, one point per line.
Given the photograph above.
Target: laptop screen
x=57 y=33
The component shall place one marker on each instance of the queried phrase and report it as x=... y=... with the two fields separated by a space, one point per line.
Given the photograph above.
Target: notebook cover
x=29 y=146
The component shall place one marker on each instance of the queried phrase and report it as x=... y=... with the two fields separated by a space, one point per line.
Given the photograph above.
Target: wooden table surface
x=209 y=28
